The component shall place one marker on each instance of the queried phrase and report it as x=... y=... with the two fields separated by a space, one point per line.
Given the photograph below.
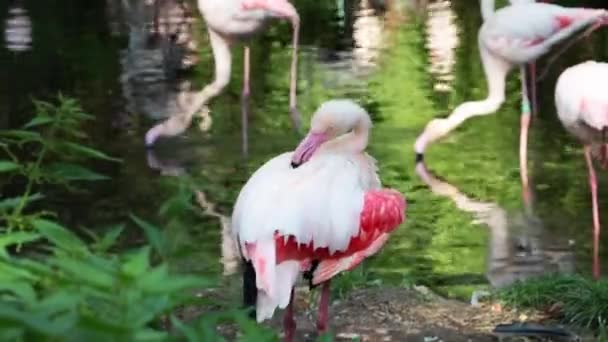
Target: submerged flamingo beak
x=307 y=148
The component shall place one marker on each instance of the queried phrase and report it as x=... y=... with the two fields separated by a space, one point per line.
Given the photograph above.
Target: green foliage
x=48 y=150
x=55 y=286
x=583 y=301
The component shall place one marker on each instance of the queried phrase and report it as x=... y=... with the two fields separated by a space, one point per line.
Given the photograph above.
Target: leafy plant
x=59 y=287
x=49 y=149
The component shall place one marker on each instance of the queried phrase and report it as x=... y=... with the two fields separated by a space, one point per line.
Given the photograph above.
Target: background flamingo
x=318 y=210
x=582 y=106
x=229 y=21
x=513 y=35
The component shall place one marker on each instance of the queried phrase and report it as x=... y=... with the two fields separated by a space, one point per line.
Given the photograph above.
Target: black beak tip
x=294 y=164
x=419 y=158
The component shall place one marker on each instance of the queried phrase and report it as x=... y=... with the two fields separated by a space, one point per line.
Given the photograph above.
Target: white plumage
x=318 y=203
x=582 y=107
x=320 y=199
x=525 y=22
x=585 y=82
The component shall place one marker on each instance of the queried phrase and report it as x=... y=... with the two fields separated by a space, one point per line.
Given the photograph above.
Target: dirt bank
x=400 y=314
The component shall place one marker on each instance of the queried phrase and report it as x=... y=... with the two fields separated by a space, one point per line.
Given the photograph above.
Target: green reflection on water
x=437 y=246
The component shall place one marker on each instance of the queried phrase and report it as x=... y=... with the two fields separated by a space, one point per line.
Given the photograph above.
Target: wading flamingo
x=319 y=210
x=511 y=36
x=229 y=21
x=582 y=107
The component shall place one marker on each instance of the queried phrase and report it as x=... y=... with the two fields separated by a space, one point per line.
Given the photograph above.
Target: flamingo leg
x=323 y=308
x=296 y=117
x=286 y=10
x=289 y=324
x=596 y=215
x=532 y=71
x=245 y=99
x=523 y=137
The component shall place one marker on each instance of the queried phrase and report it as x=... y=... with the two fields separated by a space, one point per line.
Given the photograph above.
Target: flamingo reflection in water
x=519 y=247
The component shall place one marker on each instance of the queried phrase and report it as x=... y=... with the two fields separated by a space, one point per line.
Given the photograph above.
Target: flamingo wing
x=383 y=211
x=523 y=32
x=318 y=202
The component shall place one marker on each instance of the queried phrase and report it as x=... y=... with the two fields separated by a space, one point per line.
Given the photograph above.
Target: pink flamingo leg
x=245 y=99
x=289 y=324
x=596 y=215
x=523 y=138
x=323 y=308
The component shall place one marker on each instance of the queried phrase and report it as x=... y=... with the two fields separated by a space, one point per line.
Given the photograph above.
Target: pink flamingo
x=513 y=35
x=318 y=210
x=582 y=107
x=229 y=21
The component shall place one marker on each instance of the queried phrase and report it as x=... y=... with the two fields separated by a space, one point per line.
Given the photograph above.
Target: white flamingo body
x=329 y=190
x=582 y=107
x=512 y=36
x=523 y=32
x=321 y=203
x=582 y=102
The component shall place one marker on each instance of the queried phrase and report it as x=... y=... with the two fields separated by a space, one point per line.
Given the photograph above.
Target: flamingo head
x=332 y=119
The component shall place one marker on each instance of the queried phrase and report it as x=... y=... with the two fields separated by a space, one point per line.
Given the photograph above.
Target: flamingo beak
x=307 y=148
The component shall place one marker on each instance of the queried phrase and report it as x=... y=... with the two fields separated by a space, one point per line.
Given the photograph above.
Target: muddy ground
x=405 y=314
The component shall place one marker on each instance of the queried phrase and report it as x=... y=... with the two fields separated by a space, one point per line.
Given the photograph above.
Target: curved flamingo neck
x=354 y=141
x=487 y=9
x=496 y=70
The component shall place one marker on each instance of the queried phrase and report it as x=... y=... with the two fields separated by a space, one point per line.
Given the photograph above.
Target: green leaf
x=6 y=166
x=89 y=152
x=158 y=280
x=153 y=234
x=15 y=238
x=189 y=332
x=150 y=335
x=85 y=273
x=59 y=301
x=72 y=172
x=137 y=263
x=109 y=239
x=21 y=135
x=59 y=235
x=34 y=321
x=22 y=289
x=12 y=202
x=38 y=120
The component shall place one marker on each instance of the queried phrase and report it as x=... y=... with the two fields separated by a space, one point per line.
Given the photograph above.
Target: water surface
x=405 y=69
